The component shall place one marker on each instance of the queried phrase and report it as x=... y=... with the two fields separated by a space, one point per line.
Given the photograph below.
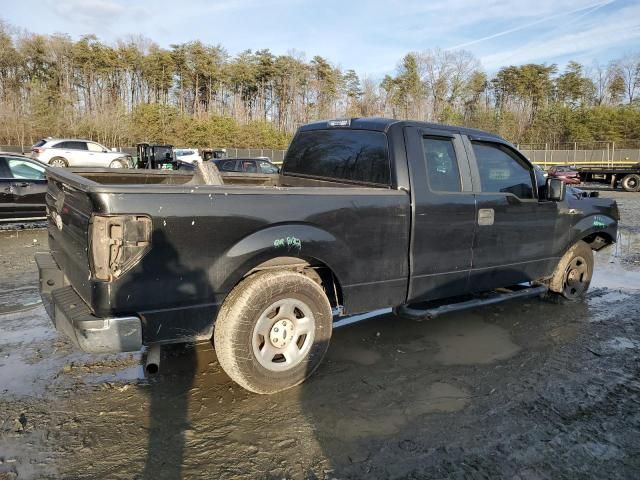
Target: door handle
x=22 y=184
x=486 y=216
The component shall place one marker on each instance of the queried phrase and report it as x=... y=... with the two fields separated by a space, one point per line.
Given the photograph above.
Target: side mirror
x=555 y=189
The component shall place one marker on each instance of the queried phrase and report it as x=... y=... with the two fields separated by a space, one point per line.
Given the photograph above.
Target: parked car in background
x=246 y=165
x=23 y=186
x=540 y=171
x=187 y=155
x=566 y=173
x=69 y=152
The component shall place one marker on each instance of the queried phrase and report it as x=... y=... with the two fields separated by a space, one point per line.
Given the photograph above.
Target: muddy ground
x=528 y=390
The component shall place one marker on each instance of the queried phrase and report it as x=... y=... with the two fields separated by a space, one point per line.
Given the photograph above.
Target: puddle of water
x=19 y=299
x=440 y=397
x=470 y=341
x=353 y=353
x=618 y=344
x=609 y=271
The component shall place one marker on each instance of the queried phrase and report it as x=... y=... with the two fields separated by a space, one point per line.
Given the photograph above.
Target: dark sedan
x=23 y=185
x=566 y=173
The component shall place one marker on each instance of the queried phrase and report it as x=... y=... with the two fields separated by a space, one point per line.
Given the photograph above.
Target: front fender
x=594 y=224
x=303 y=241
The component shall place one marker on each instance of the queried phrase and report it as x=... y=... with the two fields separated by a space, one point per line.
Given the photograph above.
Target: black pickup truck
x=367 y=214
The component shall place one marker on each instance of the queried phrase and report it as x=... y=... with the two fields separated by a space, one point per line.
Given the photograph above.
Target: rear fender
x=309 y=243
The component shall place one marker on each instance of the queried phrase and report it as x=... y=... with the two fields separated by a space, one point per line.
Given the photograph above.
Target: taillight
x=117 y=243
x=37 y=150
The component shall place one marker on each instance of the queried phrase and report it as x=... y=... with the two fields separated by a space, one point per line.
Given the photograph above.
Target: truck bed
x=205 y=238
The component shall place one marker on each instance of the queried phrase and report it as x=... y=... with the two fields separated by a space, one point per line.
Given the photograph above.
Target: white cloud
x=91 y=11
x=590 y=36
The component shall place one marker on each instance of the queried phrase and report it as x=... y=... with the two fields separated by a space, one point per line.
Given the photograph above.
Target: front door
x=444 y=214
x=514 y=229
x=7 y=194
x=29 y=186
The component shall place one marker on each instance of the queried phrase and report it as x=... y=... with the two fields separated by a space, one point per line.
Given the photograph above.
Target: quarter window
x=501 y=171
x=443 y=173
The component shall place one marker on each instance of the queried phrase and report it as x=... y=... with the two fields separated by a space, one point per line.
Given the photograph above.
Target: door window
x=248 y=166
x=443 y=173
x=94 y=147
x=502 y=171
x=228 y=166
x=25 y=169
x=266 y=167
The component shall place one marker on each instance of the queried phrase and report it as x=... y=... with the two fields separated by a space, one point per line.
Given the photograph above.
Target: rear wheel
x=273 y=331
x=631 y=183
x=118 y=163
x=572 y=276
x=59 y=162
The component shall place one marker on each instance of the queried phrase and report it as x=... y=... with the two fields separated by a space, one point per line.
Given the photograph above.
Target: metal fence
x=583 y=153
x=276 y=156
x=545 y=154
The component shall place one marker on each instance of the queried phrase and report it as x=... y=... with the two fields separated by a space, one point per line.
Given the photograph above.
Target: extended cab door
x=514 y=230
x=444 y=214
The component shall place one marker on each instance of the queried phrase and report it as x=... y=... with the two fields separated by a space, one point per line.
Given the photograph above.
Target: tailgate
x=69 y=212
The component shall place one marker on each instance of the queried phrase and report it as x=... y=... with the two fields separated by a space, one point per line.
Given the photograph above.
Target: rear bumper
x=72 y=317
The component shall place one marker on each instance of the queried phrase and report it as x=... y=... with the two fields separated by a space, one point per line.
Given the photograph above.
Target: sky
x=369 y=36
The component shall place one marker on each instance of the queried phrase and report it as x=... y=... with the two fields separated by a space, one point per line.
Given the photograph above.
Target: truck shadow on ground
x=389 y=393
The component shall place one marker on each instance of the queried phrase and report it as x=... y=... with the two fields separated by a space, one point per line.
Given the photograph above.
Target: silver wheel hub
x=283 y=335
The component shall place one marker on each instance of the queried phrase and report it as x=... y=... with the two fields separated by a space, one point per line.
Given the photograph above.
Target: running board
x=495 y=297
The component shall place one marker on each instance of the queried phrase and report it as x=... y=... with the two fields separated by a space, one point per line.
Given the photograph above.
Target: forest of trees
x=198 y=95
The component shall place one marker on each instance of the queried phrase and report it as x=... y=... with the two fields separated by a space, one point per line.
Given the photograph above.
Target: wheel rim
x=576 y=278
x=632 y=183
x=57 y=162
x=283 y=335
x=116 y=164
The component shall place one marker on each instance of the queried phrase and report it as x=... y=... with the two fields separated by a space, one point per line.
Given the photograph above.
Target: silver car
x=71 y=152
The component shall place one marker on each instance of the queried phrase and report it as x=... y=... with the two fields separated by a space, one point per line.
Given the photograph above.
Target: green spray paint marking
x=599 y=222
x=289 y=242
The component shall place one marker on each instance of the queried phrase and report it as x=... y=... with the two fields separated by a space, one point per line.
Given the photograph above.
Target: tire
x=59 y=162
x=573 y=273
x=119 y=163
x=261 y=328
x=631 y=183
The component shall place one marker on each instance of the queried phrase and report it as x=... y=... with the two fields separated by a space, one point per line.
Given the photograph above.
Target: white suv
x=69 y=152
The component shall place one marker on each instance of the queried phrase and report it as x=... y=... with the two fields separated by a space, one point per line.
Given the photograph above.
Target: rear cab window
x=348 y=155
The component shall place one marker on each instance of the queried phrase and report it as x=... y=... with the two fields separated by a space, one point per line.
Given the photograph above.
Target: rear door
x=444 y=214
x=75 y=152
x=514 y=230
x=29 y=186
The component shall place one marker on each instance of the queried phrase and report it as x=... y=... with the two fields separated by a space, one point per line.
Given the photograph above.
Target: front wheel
x=573 y=273
x=273 y=330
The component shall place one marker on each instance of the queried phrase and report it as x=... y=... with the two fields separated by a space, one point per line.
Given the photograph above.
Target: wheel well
x=314 y=269
x=598 y=240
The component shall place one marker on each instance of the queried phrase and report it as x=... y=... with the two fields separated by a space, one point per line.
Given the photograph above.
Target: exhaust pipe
x=152 y=362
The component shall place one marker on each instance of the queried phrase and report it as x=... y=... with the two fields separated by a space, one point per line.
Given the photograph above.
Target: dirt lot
x=526 y=390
